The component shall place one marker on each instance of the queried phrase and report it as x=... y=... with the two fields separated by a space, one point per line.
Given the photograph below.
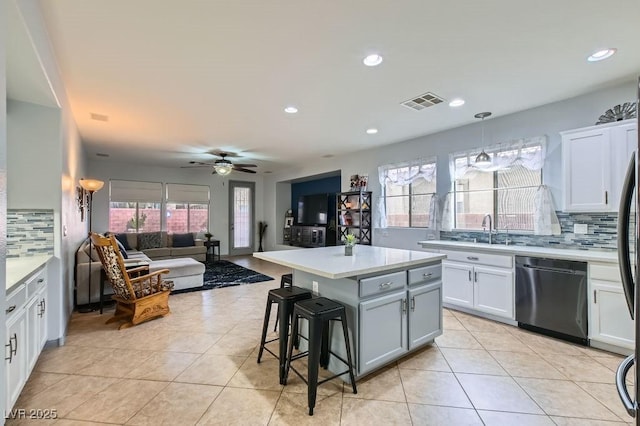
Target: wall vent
x=423 y=101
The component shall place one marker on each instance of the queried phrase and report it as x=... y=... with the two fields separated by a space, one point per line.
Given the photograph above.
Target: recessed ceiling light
x=456 y=102
x=601 y=54
x=372 y=131
x=291 y=110
x=372 y=60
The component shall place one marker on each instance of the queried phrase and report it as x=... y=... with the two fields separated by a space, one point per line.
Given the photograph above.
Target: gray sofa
x=157 y=257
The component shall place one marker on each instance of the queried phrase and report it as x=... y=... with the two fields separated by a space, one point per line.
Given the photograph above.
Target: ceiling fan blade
x=244 y=165
x=240 y=169
x=201 y=163
x=195 y=167
x=213 y=172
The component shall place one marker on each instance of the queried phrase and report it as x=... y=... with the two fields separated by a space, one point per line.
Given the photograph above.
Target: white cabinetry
x=595 y=160
x=26 y=326
x=610 y=322
x=480 y=282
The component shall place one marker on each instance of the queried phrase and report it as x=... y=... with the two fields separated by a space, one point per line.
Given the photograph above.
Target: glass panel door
x=241 y=217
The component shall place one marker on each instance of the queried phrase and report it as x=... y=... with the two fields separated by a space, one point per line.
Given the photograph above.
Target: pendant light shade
x=483 y=159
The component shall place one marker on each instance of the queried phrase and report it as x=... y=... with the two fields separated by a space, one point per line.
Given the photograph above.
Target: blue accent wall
x=329 y=185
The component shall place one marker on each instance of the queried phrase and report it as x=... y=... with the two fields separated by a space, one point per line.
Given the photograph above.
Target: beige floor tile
x=526 y=365
x=449 y=322
x=182 y=341
x=116 y=363
x=581 y=368
x=497 y=418
x=369 y=412
x=607 y=394
x=428 y=358
x=383 y=385
x=68 y=422
x=69 y=359
x=296 y=385
x=211 y=370
x=497 y=393
x=547 y=345
x=66 y=394
x=502 y=341
x=434 y=388
x=178 y=402
x=119 y=402
x=472 y=361
x=241 y=407
x=572 y=421
x=265 y=376
x=457 y=339
x=292 y=409
x=39 y=381
x=16 y=421
x=473 y=323
x=611 y=363
x=235 y=345
x=565 y=398
x=163 y=366
x=443 y=416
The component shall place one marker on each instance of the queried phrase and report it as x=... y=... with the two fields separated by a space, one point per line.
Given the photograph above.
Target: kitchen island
x=393 y=298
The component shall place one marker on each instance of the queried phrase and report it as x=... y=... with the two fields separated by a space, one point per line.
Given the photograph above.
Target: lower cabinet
x=482 y=288
x=26 y=331
x=402 y=320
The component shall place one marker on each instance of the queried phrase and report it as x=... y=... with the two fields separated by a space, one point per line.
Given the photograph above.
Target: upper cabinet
x=595 y=161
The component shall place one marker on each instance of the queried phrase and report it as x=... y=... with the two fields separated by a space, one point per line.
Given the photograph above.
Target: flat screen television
x=313 y=209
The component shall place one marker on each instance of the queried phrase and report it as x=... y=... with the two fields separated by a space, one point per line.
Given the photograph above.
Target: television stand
x=311 y=236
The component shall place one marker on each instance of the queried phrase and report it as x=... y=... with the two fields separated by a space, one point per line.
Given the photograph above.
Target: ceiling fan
x=223 y=166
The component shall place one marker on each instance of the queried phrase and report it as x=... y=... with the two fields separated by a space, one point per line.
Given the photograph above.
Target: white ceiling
x=179 y=78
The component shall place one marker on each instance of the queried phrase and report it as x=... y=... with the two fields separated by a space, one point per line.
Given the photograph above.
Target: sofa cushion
x=155 y=253
x=149 y=240
x=123 y=251
x=178 y=267
x=122 y=239
x=183 y=240
x=187 y=251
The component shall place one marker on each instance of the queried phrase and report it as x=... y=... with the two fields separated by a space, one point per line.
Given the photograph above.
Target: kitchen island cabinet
x=393 y=298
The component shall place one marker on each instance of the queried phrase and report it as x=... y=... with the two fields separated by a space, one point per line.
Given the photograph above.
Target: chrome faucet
x=484 y=226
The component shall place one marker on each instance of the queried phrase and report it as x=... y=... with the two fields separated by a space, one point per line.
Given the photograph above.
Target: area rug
x=226 y=274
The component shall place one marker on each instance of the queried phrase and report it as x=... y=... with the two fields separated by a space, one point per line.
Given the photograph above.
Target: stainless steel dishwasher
x=551 y=297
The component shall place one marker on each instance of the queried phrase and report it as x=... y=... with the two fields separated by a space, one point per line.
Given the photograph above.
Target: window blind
x=135 y=191
x=181 y=193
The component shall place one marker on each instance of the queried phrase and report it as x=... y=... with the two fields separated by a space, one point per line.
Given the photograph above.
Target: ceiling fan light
x=223 y=168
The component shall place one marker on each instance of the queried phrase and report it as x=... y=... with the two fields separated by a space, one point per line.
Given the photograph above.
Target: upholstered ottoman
x=184 y=272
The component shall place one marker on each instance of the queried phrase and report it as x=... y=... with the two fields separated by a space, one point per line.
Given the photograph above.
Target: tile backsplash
x=29 y=232
x=601 y=233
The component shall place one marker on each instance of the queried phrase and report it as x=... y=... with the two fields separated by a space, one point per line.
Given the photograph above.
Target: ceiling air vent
x=423 y=101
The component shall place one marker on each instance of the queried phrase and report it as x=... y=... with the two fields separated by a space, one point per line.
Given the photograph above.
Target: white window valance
x=181 y=193
x=529 y=153
x=135 y=191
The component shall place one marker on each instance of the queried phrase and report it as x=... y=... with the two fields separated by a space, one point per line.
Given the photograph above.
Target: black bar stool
x=318 y=311
x=285 y=280
x=285 y=298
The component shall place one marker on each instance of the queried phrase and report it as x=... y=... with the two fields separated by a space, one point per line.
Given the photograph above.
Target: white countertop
x=18 y=268
x=330 y=262
x=580 y=255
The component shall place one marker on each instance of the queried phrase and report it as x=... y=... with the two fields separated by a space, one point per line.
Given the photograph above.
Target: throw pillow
x=123 y=251
x=183 y=240
x=122 y=238
x=149 y=240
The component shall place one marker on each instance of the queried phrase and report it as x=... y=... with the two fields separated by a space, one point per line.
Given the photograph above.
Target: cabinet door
x=493 y=291
x=624 y=141
x=15 y=357
x=457 y=283
x=587 y=171
x=425 y=314
x=33 y=335
x=383 y=330
x=610 y=319
x=42 y=319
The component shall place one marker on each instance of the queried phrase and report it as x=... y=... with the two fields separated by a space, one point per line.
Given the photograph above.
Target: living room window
x=506 y=189
x=187 y=208
x=408 y=190
x=135 y=206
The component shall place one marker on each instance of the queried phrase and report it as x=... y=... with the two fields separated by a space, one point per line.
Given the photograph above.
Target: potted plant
x=208 y=235
x=349 y=241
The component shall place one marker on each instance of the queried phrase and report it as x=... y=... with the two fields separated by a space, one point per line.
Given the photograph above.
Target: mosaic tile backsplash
x=29 y=232
x=601 y=234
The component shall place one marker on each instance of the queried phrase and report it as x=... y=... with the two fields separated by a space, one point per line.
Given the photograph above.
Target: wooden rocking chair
x=138 y=297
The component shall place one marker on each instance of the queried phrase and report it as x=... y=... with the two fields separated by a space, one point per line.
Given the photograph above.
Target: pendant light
x=483 y=159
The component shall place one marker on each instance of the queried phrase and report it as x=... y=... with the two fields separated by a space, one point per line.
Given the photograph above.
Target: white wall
x=546 y=120
x=218 y=186
x=3 y=188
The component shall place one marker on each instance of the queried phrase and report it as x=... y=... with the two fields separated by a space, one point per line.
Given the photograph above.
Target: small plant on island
x=349 y=240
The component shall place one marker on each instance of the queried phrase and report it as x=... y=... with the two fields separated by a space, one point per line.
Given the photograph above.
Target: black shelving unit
x=353 y=216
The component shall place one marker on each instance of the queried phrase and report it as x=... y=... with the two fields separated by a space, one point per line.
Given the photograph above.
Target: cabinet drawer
x=498 y=260
x=382 y=283
x=425 y=274
x=601 y=271
x=36 y=282
x=16 y=300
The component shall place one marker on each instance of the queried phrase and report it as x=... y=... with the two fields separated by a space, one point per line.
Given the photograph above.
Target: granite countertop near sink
x=568 y=254
x=19 y=268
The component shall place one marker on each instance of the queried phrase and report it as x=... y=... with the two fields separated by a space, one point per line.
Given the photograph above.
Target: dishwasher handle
x=550 y=269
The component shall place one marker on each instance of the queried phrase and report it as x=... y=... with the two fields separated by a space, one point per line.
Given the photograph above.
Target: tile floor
x=198 y=366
